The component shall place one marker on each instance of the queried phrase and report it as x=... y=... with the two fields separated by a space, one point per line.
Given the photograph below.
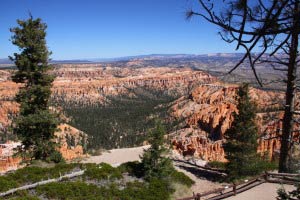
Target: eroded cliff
x=88 y=85
x=208 y=113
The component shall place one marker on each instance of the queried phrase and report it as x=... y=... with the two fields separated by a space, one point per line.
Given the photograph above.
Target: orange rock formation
x=70 y=151
x=89 y=84
x=208 y=111
x=7 y=160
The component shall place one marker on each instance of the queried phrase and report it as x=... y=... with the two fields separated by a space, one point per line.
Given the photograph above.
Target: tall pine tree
x=35 y=125
x=241 y=139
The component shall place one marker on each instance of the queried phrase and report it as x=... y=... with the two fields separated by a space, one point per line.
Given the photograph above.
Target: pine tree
x=241 y=139
x=269 y=33
x=155 y=164
x=35 y=125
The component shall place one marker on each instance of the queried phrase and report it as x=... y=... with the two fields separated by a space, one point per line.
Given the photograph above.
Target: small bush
x=134 y=168
x=70 y=190
x=264 y=165
x=180 y=177
x=95 y=152
x=153 y=190
x=56 y=157
x=27 y=197
x=102 y=171
x=292 y=195
x=29 y=175
x=217 y=165
x=6 y=184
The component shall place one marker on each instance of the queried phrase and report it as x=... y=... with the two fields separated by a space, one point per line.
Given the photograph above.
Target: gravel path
x=116 y=157
x=265 y=191
x=204 y=181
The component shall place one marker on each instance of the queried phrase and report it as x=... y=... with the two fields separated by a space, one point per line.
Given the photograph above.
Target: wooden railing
x=282 y=178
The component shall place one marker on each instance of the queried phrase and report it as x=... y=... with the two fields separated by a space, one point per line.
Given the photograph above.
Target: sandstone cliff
x=91 y=84
x=207 y=112
x=7 y=160
x=72 y=144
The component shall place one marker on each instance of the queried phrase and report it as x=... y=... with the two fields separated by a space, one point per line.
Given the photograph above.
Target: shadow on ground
x=203 y=173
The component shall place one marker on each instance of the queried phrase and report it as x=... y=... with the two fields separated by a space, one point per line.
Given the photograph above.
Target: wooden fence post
x=266 y=176
x=234 y=189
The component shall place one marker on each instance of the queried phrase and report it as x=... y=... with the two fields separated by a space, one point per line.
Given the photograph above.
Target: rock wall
x=208 y=113
x=8 y=161
x=69 y=151
x=194 y=142
x=92 y=85
x=72 y=142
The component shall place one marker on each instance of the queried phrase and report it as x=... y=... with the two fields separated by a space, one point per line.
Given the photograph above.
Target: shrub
x=27 y=197
x=134 y=168
x=102 y=171
x=153 y=190
x=217 y=165
x=293 y=195
x=7 y=184
x=180 y=177
x=264 y=165
x=33 y=174
x=56 y=157
x=70 y=190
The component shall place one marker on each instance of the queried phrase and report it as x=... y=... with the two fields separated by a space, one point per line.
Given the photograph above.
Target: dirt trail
x=116 y=157
x=265 y=191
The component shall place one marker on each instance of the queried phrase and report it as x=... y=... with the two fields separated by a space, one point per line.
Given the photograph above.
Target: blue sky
x=80 y=29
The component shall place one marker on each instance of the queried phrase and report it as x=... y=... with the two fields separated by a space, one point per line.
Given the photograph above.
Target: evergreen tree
x=155 y=164
x=35 y=124
x=269 y=33
x=241 y=139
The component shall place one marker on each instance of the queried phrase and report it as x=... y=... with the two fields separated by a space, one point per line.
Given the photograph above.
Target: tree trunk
x=288 y=123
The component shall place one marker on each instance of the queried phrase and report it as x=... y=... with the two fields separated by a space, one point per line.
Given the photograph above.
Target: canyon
x=110 y=105
x=87 y=85
x=90 y=84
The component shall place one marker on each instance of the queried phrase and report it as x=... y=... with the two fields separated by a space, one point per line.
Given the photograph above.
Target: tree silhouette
x=268 y=31
x=241 y=138
x=35 y=124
